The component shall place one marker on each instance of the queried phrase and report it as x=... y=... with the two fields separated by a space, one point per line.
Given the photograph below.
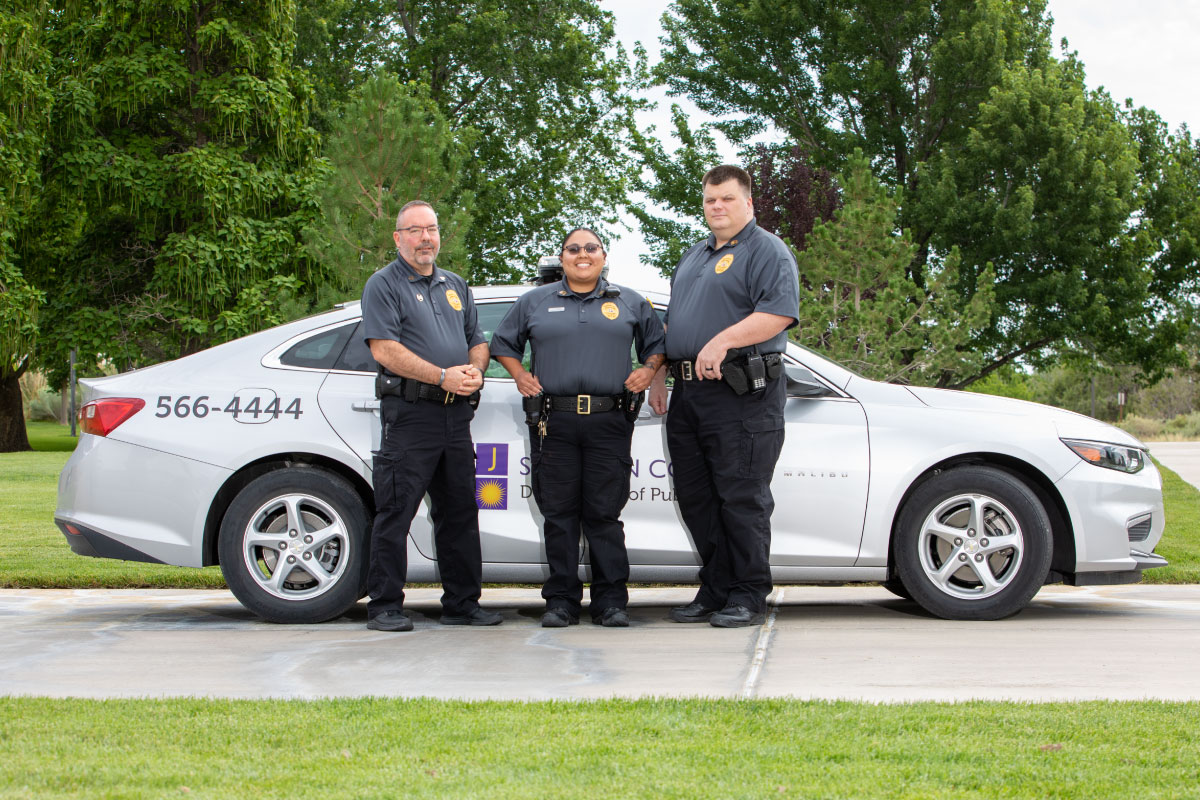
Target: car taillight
x=101 y=417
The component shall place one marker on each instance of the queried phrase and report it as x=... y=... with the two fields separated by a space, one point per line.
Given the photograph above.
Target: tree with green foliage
x=898 y=80
x=179 y=175
x=672 y=181
x=1046 y=188
x=536 y=81
x=859 y=304
x=999 y=148
x=390 y=145
x=25 y=104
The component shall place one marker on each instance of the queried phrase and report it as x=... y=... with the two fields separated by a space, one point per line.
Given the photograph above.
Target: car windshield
x=822 y=357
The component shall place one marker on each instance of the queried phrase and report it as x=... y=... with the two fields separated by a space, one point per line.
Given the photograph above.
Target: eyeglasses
x=590 y=248
x=417 y=230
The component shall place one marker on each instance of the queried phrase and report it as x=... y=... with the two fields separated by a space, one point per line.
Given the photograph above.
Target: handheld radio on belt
x=742 y=371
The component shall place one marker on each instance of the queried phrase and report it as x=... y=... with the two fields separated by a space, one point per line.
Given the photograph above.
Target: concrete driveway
x=859 y=642
x=853 y=642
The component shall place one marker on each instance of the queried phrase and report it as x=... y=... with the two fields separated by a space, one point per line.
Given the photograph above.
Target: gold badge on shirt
x=452 y=299
x=724 y=263
x=610 y=310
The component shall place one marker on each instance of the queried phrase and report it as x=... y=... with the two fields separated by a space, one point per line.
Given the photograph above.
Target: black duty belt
x=413 y=390
x=428 y=391
x=584 y=403
x=685 y=370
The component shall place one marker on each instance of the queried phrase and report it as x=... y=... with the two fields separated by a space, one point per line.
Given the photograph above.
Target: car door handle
x=365 y=405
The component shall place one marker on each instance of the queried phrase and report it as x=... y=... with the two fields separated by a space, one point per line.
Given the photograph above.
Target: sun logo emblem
x=491 y=494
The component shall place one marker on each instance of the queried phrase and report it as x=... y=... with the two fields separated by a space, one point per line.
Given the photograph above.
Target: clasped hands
x=463 y=379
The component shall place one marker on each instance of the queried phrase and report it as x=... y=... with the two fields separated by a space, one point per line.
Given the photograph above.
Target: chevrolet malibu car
x=256 y=455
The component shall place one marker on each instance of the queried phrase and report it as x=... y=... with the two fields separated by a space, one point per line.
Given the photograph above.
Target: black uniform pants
x=581 y=482
x=723 y=451
x=426 y=447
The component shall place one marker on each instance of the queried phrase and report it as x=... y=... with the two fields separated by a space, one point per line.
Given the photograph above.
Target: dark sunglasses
x=589 y=248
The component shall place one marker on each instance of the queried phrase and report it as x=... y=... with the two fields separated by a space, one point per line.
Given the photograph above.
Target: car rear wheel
x=293 y=546
x=973 y=542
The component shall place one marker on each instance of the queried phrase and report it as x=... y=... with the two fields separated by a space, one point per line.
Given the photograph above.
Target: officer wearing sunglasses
x=582 y=394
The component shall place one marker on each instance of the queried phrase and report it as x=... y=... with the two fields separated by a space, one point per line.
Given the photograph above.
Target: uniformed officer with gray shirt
x=421 y=325
x=582 y=398
x=733 y=296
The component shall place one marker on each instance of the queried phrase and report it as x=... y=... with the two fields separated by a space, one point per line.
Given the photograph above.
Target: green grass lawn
x=379 y=748
x=34 y=554
x=50 y=437
x=1180 y=544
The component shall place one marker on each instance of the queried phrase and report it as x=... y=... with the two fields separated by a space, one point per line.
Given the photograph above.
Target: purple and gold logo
x=491 y=476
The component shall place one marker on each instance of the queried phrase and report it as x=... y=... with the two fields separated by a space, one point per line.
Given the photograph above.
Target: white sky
x=1146 y=50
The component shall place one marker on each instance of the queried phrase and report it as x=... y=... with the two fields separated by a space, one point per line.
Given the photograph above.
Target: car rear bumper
x=136 y=503
x=87 y=542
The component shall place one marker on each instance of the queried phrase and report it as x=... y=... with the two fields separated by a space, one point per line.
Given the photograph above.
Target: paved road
x=1182 y=458
x=857 y=642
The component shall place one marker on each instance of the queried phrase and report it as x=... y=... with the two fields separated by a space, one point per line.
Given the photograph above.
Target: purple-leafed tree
x=790 y=194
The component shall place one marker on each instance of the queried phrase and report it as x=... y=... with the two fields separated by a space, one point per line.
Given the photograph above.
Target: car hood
x=1068 y=423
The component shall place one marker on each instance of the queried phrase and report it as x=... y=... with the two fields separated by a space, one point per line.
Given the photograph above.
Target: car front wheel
x=293 y=546
x=973 y=543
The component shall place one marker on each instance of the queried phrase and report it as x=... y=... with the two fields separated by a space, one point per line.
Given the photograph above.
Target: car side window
x=319 y=351
x=490 y=315
x=356 y=356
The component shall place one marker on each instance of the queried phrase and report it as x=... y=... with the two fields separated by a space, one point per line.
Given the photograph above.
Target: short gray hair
x=413 y=204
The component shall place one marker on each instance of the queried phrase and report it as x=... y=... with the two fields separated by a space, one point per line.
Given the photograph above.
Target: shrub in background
x=45 y=407
x=1143 y=428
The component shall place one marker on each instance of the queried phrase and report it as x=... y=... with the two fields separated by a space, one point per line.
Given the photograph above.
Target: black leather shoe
x=612 y=618
x=476 y=616
x=735 y=617
x=692 y=612
x=558 y=618
x=390 y=621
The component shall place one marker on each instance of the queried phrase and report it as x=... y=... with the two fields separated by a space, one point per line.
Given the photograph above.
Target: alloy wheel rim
x=296 y=547
x=971 y=546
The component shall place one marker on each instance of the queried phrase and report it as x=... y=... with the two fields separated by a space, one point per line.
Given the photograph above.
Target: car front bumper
x=1109 y=511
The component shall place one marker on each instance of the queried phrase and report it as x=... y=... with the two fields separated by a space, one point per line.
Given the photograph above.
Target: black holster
x=631 y=404
x=534 y=408
x=388 y=385
x=749 y=371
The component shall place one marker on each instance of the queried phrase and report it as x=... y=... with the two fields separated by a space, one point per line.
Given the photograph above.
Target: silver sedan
x=256 y=455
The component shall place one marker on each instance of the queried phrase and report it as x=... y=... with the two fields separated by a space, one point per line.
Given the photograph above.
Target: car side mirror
x=802 y=383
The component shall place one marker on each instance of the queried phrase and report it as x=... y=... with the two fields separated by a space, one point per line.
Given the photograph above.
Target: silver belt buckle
x=685 y=370
x=583 y=404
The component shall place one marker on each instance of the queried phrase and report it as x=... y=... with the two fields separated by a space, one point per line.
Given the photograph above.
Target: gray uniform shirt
x=581 y=345
x=433 y=316
x=715 y=287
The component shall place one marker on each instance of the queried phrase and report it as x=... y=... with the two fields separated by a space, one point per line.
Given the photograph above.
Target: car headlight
x=1110 y=456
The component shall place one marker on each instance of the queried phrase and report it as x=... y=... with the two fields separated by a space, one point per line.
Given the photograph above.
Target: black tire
x=1012 y=546
x=256 y=540
x=897 y=587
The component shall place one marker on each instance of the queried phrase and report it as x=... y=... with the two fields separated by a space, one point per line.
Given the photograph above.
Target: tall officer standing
x=733 y=296
x=582 y=400
x=422 y=328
